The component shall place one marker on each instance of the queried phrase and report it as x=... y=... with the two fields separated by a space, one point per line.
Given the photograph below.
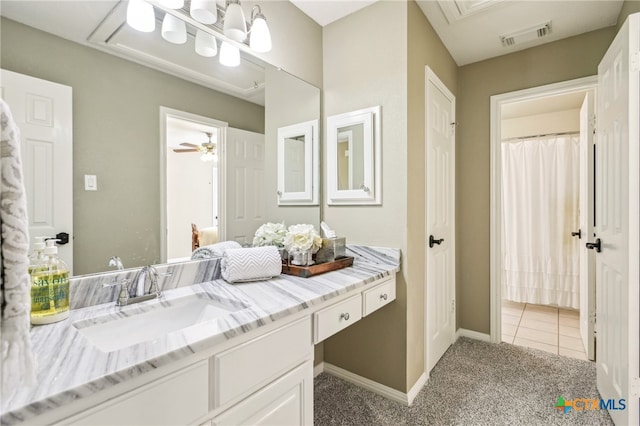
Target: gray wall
x=116 y=134
x=562 y=60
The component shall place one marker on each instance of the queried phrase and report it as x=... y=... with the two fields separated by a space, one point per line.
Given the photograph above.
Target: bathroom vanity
x=205 y=354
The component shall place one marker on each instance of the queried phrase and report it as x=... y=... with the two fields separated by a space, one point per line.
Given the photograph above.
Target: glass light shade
x=206 y=44
x=260 y=38
x=172 y=4
x=174 y=30
x=209 y=156
x=204 y=11
x=229 y=55
x=140 y=16
x=235 y=26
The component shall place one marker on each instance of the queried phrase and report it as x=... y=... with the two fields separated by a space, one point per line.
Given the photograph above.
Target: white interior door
x=245 y=205
x=617 y=222
x=587 y=270
x=43 y=112
x=440 y=218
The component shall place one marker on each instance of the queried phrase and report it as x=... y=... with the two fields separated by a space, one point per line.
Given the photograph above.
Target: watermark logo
x=589 y=404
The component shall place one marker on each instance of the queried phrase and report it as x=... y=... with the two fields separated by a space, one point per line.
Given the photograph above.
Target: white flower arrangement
x=270 y=234
x=302 y=238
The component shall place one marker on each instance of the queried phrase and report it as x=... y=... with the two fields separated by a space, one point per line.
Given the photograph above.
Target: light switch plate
x=90 y=183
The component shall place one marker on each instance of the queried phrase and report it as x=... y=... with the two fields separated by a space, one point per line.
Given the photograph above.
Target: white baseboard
x=317 y=369
x=463 y=332
x=380 y=389
x=416 y=388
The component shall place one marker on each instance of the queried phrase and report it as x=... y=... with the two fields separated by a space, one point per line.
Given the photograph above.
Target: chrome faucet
x=116 y=262
x=150 y=272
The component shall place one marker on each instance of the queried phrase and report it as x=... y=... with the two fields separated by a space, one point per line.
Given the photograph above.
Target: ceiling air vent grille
x=527 y=34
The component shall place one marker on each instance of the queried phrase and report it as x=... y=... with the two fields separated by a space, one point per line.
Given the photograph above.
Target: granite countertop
x=68 y=367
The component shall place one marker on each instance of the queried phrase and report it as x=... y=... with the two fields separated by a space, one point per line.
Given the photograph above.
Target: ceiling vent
x=527 y=34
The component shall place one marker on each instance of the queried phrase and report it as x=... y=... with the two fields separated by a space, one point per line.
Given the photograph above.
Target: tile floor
x=550 y=329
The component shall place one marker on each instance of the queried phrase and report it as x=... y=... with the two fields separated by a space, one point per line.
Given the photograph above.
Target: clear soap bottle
x=50 y=288
x=36 y=258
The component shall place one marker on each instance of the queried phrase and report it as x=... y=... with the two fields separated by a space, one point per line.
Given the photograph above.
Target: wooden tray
x=320 y=268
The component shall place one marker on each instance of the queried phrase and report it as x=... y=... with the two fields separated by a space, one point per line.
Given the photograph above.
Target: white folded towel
x=251 y=264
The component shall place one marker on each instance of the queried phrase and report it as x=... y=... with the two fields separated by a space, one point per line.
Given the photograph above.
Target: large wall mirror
x=120 y=81
x=353 y=158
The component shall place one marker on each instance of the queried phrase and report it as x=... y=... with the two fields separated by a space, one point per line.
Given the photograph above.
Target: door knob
x=62 y=238
x=433 y=241
x=577 y=234
x=597 y=245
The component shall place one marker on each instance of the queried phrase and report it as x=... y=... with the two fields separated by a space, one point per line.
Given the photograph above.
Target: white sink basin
x=111 y=333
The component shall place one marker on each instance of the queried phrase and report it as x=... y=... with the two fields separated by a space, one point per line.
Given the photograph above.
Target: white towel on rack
x=251 y=264
x=15 y=300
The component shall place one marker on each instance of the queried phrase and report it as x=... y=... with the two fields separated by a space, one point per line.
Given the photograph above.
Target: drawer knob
x=384 y=296
x=344 y=316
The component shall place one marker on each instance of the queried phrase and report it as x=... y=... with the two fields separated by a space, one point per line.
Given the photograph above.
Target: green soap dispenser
x=50 y=288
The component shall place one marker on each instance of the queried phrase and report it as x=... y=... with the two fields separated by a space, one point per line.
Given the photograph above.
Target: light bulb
x=140 y=16
x=206 y=44
x=260 y=37
x=229 y=55
x=174 y=30
x=235 y=26
x=204 y=11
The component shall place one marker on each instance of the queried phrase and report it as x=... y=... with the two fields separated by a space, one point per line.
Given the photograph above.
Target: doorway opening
x=538 y=297
x=192 y=163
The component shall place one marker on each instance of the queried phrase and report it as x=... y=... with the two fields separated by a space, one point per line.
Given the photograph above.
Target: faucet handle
x=123 y=297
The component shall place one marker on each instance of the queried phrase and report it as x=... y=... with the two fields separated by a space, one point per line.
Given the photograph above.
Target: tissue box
x=332 y=249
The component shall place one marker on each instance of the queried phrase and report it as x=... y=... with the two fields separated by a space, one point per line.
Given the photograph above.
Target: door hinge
x=634 y=61
x=453 y=305
x=592 y=123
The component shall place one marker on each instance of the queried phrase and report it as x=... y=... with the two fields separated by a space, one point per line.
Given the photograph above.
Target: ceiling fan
x=208 y=149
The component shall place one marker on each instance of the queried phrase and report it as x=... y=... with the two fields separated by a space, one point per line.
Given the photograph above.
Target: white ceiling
x=325 y=12
x=472 y=29
x=567 y=101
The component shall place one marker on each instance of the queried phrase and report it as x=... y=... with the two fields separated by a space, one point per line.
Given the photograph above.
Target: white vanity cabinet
x=264 y=378
x=179 y=398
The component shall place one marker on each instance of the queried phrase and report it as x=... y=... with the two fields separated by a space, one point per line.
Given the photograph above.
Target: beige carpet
x=475 y=383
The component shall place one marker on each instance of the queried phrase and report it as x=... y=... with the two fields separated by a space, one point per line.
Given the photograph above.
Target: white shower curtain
x=540 y=188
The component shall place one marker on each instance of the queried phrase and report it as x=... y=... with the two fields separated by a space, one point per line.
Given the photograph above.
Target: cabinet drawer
x=329 y=321
x=180 y=398
x=379 y=296
x=245 y=368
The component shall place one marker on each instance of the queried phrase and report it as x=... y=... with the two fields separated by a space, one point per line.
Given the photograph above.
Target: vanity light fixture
x=229 y=55
x=260 y=37
x=140 y=16
x=204 y=11
x=235 y=26
x=174 y=30
x=206 y=44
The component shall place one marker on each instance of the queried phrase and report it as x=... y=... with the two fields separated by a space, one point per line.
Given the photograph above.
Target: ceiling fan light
x=204 y=11
x=235 y=26
x=206 y=44
x=229 y=55
x=209 y=156
x=260 y=37
x=172 y=4
x=140 y=16
x=174 y=30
